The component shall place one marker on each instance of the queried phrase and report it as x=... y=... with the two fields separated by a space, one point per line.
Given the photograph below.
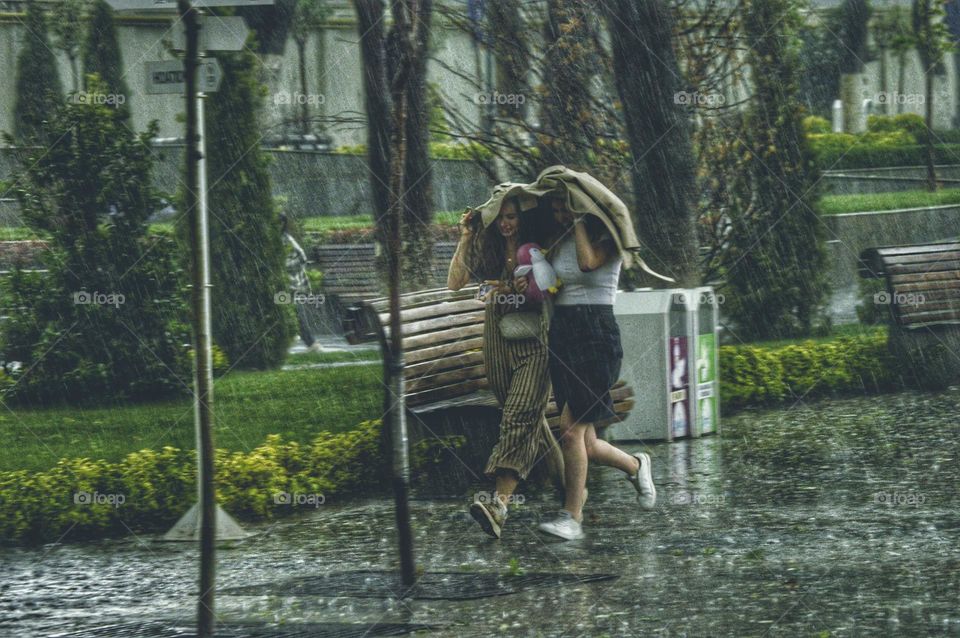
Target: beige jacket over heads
x=584 y=195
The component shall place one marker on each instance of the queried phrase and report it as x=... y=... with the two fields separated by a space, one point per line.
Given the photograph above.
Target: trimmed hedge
x=756 y=375
x=156 y=488
x=840 y=156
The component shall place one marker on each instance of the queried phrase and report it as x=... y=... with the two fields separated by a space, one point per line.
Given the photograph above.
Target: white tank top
x=597 y=287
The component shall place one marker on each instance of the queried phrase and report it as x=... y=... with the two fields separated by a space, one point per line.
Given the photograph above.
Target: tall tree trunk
x=567 y=126
x=647 y=75
x=901 y=79
x=884 y=84
x=851 y=103
x=418 y=175
x=928 y=104
x=304 y=110
x=377 y=103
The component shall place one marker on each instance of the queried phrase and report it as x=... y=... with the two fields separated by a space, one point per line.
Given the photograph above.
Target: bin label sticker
x=706 y=377
x=679 y=384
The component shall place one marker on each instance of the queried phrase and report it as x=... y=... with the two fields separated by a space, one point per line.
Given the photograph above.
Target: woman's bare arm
x=590 y=255
x=458 y=275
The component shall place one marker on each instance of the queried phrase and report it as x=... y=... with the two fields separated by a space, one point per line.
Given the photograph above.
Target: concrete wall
x=849 y=234
x=313 y=183
x=332 y=69
x=884 y=180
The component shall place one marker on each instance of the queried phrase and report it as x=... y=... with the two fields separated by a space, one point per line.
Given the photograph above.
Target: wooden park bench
x=923 y=296
x=447 y=393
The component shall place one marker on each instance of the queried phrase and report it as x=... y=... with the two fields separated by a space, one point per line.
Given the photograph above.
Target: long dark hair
x=488 y=248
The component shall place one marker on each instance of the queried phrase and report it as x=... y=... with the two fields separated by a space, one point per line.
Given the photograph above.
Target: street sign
x=228 y=33
x=167 y=76
x=141 y=5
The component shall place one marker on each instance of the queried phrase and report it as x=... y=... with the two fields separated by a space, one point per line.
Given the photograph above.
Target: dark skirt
x=585 y=359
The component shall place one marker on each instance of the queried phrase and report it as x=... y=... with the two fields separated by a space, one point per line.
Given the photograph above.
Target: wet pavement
x=829 y=518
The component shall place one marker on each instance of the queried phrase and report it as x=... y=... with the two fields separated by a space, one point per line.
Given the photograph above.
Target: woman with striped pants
x=517 y=369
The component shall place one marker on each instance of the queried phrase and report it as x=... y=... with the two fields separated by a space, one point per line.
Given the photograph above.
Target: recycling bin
x=706 y=385
x=657 y=334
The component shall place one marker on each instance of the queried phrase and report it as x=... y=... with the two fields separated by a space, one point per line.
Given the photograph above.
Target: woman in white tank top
x=584 y=362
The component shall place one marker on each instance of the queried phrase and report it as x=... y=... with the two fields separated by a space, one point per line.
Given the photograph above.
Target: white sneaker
x=563 y=526
x=642 y=481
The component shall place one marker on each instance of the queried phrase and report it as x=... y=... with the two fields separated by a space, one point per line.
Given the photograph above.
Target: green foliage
x=911 y=123
x=854 y=16
x=775 y=261
x=930 y=33
x=157 y=487
x=249 y=405
x=107 y=322
x=755 y=374
x=246 y=247
x=438 y=150
x=869 y=156
x=868 y=311
x=38 y=89
x=815 y=124
x=101 y=56
x=820 y=57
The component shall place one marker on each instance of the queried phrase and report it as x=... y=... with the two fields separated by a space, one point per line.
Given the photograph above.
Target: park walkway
x=839 y=518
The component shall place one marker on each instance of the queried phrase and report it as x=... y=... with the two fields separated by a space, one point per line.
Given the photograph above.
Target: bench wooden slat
x=424 y=297
x=944 y=275
x=436 y=352
x=895 y=251
x=930 y=318
x=930 y=290
x=433 y=366
x=439 y=323
x=434 y=395
x=931 y=267
x=434 y=310
x=442 y=336
x=926 y=257
x=446 y=378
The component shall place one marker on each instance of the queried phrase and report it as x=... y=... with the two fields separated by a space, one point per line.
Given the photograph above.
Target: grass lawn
x=836 y=204
x=846 y=330
x=302 y=358
x=247 y=407
x=345 y=222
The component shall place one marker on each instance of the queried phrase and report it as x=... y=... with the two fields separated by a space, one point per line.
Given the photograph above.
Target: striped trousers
x=519 y=377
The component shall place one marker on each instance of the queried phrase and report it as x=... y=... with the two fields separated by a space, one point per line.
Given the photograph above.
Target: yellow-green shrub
x=752 y=375
x=158 y=487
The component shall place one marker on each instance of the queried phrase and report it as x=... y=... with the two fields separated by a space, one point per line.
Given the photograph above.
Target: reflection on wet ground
x=831 y=518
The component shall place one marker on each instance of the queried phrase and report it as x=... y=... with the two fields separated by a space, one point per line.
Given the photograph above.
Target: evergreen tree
x=776 y=258
x=246 y=247
x=39 y=91
x=647 y=78
x=107 y=321
x=101 y=55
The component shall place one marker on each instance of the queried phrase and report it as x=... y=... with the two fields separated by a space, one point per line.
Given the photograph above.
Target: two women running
x=578 y=350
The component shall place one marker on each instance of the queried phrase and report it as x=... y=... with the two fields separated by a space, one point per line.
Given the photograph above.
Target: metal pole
x=396 y=414
x=196 y=204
